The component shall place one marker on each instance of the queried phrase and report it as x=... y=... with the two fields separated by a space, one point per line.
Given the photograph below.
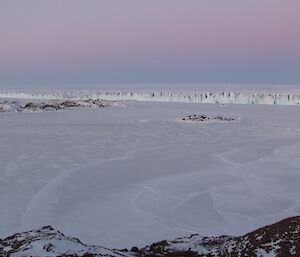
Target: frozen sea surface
x=130 y=176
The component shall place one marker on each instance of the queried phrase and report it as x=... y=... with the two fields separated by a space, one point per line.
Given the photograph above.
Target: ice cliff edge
x=220 y=97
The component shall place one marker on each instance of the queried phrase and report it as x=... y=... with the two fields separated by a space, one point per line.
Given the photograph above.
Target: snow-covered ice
x=131 y=176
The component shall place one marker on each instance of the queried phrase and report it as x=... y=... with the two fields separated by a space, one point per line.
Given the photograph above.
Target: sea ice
x=107 y=178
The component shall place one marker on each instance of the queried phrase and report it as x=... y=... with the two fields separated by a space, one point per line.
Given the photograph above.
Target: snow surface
x=120 y=177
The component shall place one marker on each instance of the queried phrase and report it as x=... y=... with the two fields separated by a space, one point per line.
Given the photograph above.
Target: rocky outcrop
x=53 y=105
x=281 y=239
x=206 y=118
x=49 y=242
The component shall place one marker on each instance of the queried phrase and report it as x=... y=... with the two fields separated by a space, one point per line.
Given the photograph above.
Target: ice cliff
x=220 y=97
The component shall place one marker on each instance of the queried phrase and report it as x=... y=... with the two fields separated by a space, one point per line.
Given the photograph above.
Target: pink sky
x=130 y=36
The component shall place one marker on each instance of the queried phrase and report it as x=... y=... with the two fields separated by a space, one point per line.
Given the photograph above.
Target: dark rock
x=30 y=106
x=134 y=249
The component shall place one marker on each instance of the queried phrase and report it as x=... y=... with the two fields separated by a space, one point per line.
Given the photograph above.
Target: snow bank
x=221 y=97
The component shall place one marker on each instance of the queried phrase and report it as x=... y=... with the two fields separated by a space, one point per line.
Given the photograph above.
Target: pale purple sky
x=149 y=41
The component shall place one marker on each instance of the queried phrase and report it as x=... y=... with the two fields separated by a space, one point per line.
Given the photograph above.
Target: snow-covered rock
x=206 y=118
x=49 y=242
x=14 y=106
x=221 y=97
x=10 y=106
x=281 y=239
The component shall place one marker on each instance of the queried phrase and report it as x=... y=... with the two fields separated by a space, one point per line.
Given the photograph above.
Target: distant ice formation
x=220 y=97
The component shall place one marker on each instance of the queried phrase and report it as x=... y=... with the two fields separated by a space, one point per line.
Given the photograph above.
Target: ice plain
x=123 y=176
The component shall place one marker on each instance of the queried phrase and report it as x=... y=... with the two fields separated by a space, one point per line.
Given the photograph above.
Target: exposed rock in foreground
x=206 y=118
x=49 y=242
x=53 y=105
x=281 y=239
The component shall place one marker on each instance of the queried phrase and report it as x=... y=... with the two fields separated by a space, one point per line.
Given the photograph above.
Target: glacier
x=291 y=97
